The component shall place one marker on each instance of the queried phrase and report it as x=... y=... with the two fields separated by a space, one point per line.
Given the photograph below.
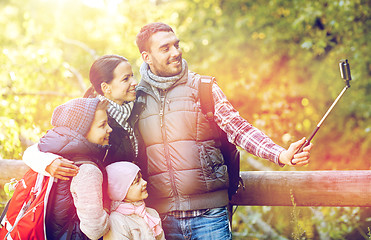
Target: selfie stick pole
x=345 y=74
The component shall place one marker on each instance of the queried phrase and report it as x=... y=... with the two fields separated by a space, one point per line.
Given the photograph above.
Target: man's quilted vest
x=185 y=169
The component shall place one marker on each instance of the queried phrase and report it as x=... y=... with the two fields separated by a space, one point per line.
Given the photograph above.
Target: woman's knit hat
x=76 y=114
x=120 y=177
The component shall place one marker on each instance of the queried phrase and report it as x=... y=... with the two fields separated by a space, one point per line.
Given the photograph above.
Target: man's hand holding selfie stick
x=298 y=152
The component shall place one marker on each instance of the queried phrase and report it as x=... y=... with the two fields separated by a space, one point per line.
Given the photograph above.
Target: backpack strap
x=230 y=152
x=4 y=211
x=206 y=97
x=207 y=104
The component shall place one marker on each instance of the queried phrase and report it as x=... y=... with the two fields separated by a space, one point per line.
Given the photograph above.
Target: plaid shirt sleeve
x=240 y=131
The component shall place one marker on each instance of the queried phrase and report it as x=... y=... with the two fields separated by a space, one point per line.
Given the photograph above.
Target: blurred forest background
x=276 y=60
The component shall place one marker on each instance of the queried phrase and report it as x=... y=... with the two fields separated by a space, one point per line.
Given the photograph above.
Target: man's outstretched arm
x=251 y=139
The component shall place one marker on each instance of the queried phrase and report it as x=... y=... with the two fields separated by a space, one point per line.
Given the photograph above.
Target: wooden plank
x=11 y=169
x=276 y=188
x=305 y=188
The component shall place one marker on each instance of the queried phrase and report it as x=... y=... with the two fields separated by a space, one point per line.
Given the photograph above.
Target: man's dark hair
x=147 y=31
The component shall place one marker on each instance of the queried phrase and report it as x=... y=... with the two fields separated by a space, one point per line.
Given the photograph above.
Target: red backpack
x=25 y=216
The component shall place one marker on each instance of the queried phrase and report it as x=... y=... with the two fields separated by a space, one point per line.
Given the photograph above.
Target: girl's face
x=138 y=190
x=122 y=88
x=99 y=130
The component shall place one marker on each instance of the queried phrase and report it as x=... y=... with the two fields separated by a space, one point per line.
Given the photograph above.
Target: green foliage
x=301 y=223
x=275 y=60
x=280 y=69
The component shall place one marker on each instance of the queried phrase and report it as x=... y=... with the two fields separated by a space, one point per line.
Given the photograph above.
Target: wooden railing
x=277 y=188
x=11 y=169
x=305 y=188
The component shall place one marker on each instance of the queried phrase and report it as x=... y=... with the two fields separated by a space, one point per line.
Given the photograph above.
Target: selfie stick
x=345 y=74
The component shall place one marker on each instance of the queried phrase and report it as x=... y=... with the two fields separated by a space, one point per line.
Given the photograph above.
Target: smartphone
x=345 y=70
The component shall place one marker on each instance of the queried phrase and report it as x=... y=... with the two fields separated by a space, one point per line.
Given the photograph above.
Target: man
x=187 y=180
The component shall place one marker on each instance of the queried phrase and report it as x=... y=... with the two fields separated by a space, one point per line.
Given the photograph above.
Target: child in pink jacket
x=130 y=218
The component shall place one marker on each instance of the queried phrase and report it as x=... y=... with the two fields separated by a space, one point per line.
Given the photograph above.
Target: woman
x=112 y=79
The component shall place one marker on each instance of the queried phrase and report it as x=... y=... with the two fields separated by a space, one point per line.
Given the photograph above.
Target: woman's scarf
x=126 y=208
x=121 y=113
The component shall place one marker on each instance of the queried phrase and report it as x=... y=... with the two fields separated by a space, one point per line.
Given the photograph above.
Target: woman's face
x=122 y=88
x=99 y=130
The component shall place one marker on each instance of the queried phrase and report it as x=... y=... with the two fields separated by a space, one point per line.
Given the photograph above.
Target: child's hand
x=62 y=168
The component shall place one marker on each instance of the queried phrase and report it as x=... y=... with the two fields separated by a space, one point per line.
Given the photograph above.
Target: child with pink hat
x=130 y=218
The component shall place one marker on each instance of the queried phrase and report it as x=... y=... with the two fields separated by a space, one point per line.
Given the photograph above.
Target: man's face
x=164 y=56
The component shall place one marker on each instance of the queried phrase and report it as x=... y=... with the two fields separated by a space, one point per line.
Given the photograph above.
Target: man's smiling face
x=164 y=56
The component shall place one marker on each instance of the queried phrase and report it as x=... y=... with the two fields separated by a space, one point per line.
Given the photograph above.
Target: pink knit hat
x=120 y=177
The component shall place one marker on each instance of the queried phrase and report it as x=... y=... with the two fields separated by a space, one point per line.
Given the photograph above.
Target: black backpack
x=230 y=153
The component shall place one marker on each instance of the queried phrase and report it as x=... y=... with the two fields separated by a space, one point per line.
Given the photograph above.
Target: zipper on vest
x=168 y=104
x=105 y=155
x=161 y=117
x=162 y=107
x=166 y=144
